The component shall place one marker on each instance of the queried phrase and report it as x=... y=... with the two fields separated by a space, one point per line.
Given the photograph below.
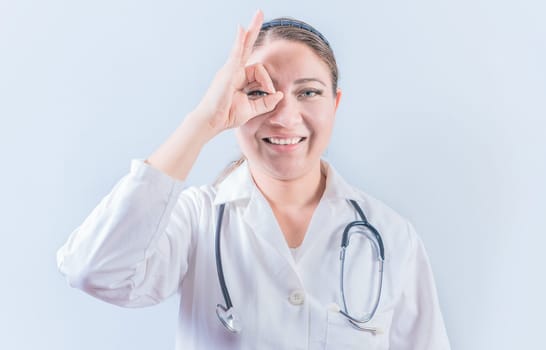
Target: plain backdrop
x=442 y=117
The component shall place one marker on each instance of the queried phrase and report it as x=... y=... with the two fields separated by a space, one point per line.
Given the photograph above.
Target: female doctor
x=257 y=258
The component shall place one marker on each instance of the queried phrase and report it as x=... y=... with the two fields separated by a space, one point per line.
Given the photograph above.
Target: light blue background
x=442 y=118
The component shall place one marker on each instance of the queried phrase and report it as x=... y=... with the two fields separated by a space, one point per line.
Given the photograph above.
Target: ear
x=338 y=97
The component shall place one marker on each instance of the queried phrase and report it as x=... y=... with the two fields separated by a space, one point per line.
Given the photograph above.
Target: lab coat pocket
x=342 y=335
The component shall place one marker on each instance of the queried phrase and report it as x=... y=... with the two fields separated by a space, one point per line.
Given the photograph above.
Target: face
x=287 y=143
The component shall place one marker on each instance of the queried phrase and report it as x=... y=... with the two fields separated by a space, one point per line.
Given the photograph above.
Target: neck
x=299 y=192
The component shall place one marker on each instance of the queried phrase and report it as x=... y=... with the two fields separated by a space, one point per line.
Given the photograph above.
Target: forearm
x=176 y=156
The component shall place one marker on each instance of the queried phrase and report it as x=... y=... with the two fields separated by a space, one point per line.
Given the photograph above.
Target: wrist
x=201 y=126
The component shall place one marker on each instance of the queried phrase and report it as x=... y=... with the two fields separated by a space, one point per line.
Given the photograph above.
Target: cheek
x=321 y=117
x=246 y=137
x=247 y=131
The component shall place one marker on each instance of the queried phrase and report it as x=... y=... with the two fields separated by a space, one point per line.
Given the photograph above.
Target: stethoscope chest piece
x=229 y=318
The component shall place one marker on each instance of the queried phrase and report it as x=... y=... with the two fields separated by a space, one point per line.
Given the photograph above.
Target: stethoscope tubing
x=219 y=268
x=229 y=321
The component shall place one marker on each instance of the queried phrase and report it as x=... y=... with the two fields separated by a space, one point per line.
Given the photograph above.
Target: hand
x=226 y=104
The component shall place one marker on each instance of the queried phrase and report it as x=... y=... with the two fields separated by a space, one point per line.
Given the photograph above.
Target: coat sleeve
x=133 y=249
x=417 y=322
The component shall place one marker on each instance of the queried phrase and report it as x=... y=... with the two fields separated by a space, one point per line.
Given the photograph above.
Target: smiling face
x=287 y=143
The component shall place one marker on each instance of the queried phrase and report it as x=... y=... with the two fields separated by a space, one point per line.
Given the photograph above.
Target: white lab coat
x=149 y=239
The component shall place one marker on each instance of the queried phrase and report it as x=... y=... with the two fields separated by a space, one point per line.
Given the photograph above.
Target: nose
x=286 y=114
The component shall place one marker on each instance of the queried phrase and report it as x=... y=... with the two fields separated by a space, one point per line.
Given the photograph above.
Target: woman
x=270 y=229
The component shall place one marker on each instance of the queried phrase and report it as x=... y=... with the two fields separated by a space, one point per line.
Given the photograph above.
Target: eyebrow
x=306 y=80
x=303 y=81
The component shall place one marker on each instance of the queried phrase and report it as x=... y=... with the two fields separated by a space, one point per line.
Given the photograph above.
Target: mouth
x=284 y=141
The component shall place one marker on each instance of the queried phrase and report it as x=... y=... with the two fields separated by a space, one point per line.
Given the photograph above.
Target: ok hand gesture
x=226 y=104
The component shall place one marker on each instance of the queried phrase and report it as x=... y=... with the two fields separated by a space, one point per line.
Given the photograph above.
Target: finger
x=257 y=73
x=263 y=78
x=252 y=34
x=238 y=45
x=266 y=103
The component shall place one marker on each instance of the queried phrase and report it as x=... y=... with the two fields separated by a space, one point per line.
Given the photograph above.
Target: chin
x=284 y=170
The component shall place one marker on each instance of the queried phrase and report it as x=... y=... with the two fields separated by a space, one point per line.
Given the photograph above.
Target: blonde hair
x=228 y=170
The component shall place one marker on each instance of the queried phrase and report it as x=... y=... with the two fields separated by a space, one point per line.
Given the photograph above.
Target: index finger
x=252 y=34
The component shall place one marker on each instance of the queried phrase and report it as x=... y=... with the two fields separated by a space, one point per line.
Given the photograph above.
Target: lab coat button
x=297 y=297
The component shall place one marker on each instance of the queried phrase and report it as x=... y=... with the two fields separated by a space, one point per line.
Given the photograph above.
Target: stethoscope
x=231 y=320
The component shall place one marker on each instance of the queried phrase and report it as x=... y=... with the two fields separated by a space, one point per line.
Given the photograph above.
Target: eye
x=254 y=94
x=310 y=93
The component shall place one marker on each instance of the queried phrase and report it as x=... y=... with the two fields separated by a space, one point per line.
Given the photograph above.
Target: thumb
x=266 y=103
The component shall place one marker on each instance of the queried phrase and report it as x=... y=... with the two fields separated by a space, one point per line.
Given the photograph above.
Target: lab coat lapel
x=240 y=187
x=261 y=220
x=327 y=222
x=319 y=228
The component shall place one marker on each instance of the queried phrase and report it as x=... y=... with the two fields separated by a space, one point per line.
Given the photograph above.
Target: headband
x=286 y=22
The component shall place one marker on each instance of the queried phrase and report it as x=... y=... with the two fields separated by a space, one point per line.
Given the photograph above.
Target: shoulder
x=380 y=213
x=199 y=198
x=377 y=212
x=397 y=232
x=236 y=186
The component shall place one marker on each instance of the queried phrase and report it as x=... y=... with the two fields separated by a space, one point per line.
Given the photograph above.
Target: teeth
x=291 y=141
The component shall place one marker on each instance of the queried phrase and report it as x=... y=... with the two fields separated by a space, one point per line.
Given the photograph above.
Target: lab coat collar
x=239 y=185
x=336 y=186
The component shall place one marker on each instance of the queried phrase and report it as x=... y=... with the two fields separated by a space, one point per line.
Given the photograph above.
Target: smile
x=283 y=141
